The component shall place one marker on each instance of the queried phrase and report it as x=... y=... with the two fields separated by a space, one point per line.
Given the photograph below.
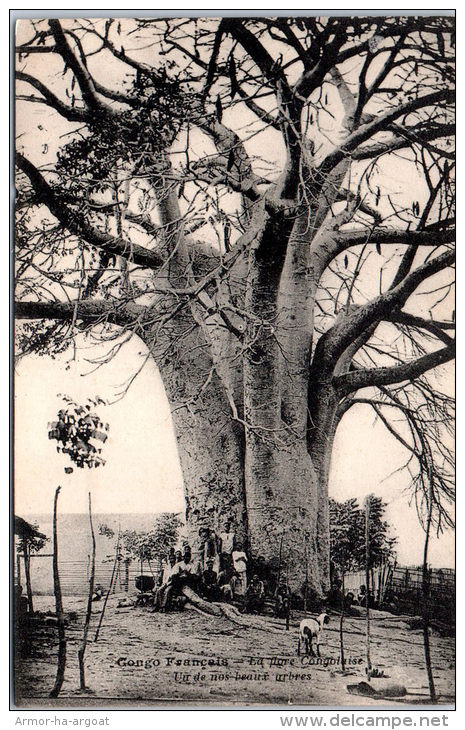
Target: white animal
x=311 y=629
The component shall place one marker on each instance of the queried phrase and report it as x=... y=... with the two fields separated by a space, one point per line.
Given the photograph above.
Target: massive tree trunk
x=210 y=445
x=210 y=442
x=281 y=482
x=297 y=293
x=320 y=444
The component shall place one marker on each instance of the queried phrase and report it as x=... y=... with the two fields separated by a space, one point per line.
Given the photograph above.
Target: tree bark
x=210 y=442
x=191 y=357
x=321 y=432
x=280 y=480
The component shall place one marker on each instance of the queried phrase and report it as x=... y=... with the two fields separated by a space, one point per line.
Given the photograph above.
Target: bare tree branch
x=382 y=122
x=405 y=137
x=78 y=225
x=435 y=327
x=84 y=78
x=73 y=114
x=349 y=382
x=351 y=325
x=89 y=311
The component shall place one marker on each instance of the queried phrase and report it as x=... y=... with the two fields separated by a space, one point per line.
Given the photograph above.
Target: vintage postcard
x=234 y=383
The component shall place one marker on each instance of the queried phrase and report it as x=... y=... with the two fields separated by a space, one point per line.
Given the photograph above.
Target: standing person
x=226 y=545
x=166 y=564
x=239 y=559
x=208 y=547
x=283 y=598
x=211 y=547
x=264 y=573
x=168 y=567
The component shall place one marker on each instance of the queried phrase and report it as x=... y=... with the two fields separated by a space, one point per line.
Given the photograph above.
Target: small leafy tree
x=382 y=544
x=146 y=546
x=347 y=534
x=80 y=433
x=346 y=540
x=347 y=543
x=106 y=530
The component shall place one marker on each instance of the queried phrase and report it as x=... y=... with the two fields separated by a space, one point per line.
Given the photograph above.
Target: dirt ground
x=145 y=659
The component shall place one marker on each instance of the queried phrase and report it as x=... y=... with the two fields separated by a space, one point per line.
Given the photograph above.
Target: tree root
x=207 y=608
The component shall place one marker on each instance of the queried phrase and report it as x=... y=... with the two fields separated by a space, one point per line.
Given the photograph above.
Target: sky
x=142 y=472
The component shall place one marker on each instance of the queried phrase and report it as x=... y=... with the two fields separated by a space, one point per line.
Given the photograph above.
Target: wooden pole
x=118 y=574
x=126 y=574
x=426 y=596
x=367 y=581
x=18 y=567
x=81 y=652
x=341 y=623
x=27 y=573
x=112 y=582
x=279 y=564
x=381 y=579
x=306 y=573
x=288 y=603
x=60 y=675
x=118 y=567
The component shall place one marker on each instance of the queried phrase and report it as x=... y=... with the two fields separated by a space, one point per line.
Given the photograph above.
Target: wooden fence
x=403 y=588
x=74 y=575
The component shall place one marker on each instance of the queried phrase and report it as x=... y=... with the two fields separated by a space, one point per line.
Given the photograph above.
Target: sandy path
x=150 y=658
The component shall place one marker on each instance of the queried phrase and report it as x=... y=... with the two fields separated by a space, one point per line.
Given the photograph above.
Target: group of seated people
x=219 y=572
x=351 y=598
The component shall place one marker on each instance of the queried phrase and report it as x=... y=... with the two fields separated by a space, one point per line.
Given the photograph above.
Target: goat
x=309 y=629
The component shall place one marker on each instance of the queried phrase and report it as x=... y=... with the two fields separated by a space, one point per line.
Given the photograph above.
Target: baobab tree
x=267 y=203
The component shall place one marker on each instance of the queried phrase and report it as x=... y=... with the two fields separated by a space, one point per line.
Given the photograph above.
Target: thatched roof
x=25 y=530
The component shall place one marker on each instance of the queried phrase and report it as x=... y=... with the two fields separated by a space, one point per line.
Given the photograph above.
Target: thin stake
x=306 y=572
x=426 y=596
x=112 y=582
x=60 y=675
x=279 y=563
x=85 y=632
x=367 y=581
